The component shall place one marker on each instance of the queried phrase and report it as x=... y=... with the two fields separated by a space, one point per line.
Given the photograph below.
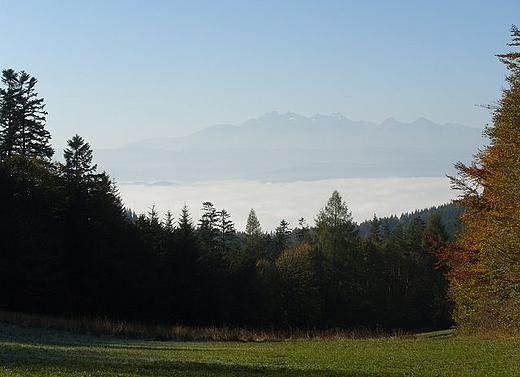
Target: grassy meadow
x=28 y=351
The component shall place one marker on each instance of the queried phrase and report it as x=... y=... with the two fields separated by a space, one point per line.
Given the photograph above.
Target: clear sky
x=122 y=71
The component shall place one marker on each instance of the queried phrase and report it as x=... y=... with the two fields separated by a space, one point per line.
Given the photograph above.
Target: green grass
x=40 y=352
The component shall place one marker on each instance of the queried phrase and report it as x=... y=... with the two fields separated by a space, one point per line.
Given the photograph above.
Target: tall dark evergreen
x=226 y=232
x=282 y=237
x=253 y=237
x=337 y=244
x=189 y=294
x=22 y=117
x=302 y=231
x=78 y=167
x=208 y=229
x=335 y=228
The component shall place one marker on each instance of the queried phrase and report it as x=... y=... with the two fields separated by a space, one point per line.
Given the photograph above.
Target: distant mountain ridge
x=275 y=130
x=294 y=147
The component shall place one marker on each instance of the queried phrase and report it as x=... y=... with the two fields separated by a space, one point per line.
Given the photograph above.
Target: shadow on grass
x=187 y=369
x=44 y=352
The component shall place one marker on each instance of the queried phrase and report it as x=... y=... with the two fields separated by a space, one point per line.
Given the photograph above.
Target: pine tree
x=253 y=227
x=335 y=228
x=185 y=260
x=208 y=230
x=253 y=235
x=282 y=237
x=168 y=222
x=337 y=252
x=302 y=231
x=226 y=231
x=22 y=117
x=435 y=232
x=78 y=167
x=375 y=231
x=185 y=227
x=8 y=113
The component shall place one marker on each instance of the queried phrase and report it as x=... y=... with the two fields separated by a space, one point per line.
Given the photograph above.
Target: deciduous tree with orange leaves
x=484 y=260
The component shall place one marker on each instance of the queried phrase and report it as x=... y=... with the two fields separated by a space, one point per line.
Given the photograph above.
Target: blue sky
x=121 y=71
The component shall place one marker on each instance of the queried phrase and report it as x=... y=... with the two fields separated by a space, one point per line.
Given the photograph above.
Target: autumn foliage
x=485 y=259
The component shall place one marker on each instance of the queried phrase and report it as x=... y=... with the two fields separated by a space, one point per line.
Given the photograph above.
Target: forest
x=69 y=247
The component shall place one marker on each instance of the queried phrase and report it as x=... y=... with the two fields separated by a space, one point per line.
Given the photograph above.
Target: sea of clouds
x=290 y=201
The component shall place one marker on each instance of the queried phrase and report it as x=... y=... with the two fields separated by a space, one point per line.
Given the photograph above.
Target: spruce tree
x=253 y=227
x=208 y=231
x=78 y=161
x=226 y=231
x=253 y=236
x=22 y=117
x=282 y=237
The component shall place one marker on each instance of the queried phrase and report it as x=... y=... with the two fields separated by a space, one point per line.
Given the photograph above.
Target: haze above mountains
x=288 y=147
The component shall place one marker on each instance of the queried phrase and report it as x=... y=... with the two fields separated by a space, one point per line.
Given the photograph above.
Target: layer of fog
x=291 y=201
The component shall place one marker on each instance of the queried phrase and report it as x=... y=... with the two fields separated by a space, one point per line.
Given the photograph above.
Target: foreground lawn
x=38 y=352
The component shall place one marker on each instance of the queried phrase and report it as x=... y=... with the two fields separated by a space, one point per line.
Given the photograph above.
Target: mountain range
x=289 y=147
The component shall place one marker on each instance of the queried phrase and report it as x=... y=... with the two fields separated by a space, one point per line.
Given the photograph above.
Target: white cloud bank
x=290 y=201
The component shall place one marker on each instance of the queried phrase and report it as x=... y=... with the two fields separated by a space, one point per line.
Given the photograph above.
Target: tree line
x=69 y=247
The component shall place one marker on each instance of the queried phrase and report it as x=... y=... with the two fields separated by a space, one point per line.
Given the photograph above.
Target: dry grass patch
x=105 y=326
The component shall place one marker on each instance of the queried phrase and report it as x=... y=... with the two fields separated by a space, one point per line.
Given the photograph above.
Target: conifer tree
x=282 y=237
x=78 y=161
x=335 y=228
x=253 y=227
x=208 y=230
x=485 y=259
x=375 y=231
x=253 y=236
x=185 y=229
x=226 y=231
x=22 y=117
x=337 y=245
x=303 y=230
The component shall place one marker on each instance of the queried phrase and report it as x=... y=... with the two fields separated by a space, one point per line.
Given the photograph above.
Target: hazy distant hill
x=283 y=147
